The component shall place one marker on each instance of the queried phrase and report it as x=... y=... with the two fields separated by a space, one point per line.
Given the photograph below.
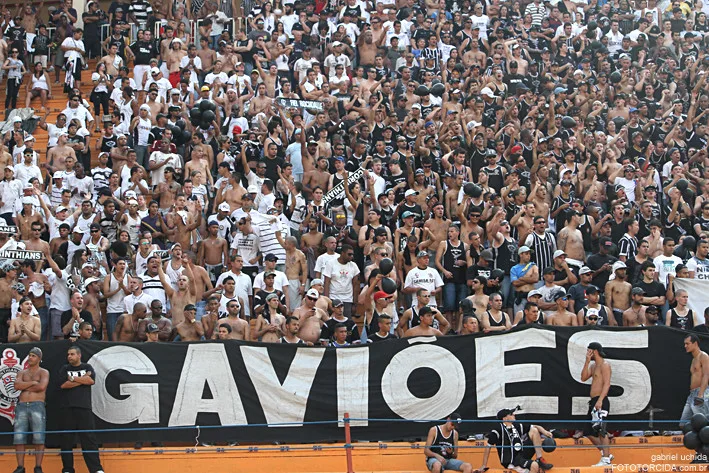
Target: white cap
x=585 y=270
x=174 y=91
x=78 y=229
x=336 y=44
x=618 y=265
x=27 y=200
x=10 y=168
x=252 y=189
x=224 y=207
x=155 y=70
x=312 y=293
x=487 y=91
x=17 y=120
x=145 y=106
x=473 y=124
x=534 y=292
x=558 y=253
x=410 y=192
x=58 y=175
x=176 y=40
x=90 y=280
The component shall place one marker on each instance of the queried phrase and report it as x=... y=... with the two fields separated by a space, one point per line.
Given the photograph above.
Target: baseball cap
x=410 y=192
x=252 y=189
x=224 y=207
x=638 y=291
x=407 y=214
x=523 y=249
x=597 y=346
x=558 y=253
x=271 y=296
x=487 y=255
x=36 y=351
x=591 y=290
x=90 y=280
x=585 y=270
x=317 y=282
x=337 y=303
x=381 y=295
x=152 y=328
x=618 y=265
x=421 y=254
x=502 y=413
x=534 y=292
x=271 y=257
x=312 y=293
x=155 y=70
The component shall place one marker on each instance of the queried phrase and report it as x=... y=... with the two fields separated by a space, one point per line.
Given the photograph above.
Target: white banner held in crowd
x=295 y=103
x=698 y=291
x=338 y=191
x=21 y=255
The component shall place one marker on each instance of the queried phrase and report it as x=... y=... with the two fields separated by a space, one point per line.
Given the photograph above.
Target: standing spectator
x=75 y=379
x=342 y=279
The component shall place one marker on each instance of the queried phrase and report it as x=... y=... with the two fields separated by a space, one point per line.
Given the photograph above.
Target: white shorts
x=138 y=73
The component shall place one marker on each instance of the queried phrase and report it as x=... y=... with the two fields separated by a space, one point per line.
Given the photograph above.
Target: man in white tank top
x=140 y=128
x=115 y=288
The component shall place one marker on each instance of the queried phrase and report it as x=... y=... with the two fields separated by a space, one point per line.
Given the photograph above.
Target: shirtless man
x=92 y=300
x=173 y=58
x=185 y=293
x=182 y=219
x=35 y=243
x=311 y=318
x=26 y=218
x=56 y=156
x=210 y=319
x=240 y=329
x=167 y=191
x=436 y=228
x=163 y=323
x=26 y=327
x=597 y=367
x=32 y=384
x=425 y=328
x=199 y=162
x=213 y=252
x=261 y=102
x=112 y=60
x=561 y=316
x=634 y=316
x=296 y=269
x=316 y=181
x=618 y=291
x=37 y=285
x=233 y=193
x=698 y=399
x=570 y=239
x=479 y=299
x=127 y=324
x=189 y=330
x=10 y=277
x=271 y=327
x=324 y=303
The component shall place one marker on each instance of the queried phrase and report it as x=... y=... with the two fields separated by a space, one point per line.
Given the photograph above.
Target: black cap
x=548 y=270
x=597 y=346
x=591 y=290
x=271 y=257
x=502 y=413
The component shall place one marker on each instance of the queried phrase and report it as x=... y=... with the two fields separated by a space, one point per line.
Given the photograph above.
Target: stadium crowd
x=337 y=172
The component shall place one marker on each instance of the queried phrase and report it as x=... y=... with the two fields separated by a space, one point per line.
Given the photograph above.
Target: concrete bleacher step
x=571 y=456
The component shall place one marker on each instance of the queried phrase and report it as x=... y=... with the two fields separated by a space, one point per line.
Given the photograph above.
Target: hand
x=598 y=405
x=698 y=401
x=448 y=274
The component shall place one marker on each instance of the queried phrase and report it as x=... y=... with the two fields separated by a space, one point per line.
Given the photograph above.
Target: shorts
x=452 y=464
x=214 y=270
x=597 y=426
x=30 y=417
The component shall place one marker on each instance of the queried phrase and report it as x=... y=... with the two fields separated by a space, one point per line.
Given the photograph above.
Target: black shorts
x=605 y=406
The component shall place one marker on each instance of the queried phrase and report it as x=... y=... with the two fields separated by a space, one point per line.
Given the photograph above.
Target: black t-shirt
x=328 y=330
x=375 y=337
x=79 y=396
x=84 y=314
x=653 y=289
x=595 y=262
x=144 y=51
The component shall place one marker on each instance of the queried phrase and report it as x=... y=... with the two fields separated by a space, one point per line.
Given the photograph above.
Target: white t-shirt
x=323 y=259
x=428 y=278
x=700 y=268
x=665 y=265
x=341 y=276
x=279 y=282
x=242 y=288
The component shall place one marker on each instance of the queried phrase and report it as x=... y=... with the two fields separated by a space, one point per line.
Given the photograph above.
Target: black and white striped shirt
x=628 y=246
x=543 y=248
x=141 y=10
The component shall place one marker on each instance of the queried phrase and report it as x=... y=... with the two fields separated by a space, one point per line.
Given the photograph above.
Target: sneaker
x=38 y=469
x=19 y=469
x=605 y=461
x=544 y=465
x=207 y=444
x=610 y=458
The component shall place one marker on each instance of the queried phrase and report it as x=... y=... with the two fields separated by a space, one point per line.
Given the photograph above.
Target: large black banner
x=177 y=385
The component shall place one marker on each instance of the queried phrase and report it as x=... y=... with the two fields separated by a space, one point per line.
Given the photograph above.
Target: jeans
x=201 y=310
x=44 y=319
x=141 y=154
x=76 y=418
x=30 y=417
x=690 y=409
x=111 y=319
x=453 y=293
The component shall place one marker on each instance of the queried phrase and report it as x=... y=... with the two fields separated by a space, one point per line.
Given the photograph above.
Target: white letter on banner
x=450 y=392
x=143 y=401
x=492 y=374
x=287 y=402
x=207 y=363
x=353 y=385
x=630 y=375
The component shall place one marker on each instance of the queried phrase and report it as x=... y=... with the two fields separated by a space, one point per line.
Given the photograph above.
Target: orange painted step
x=367 y=457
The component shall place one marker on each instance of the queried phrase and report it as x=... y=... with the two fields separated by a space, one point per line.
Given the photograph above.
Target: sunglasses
x=312 y=299
x=593 y=318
